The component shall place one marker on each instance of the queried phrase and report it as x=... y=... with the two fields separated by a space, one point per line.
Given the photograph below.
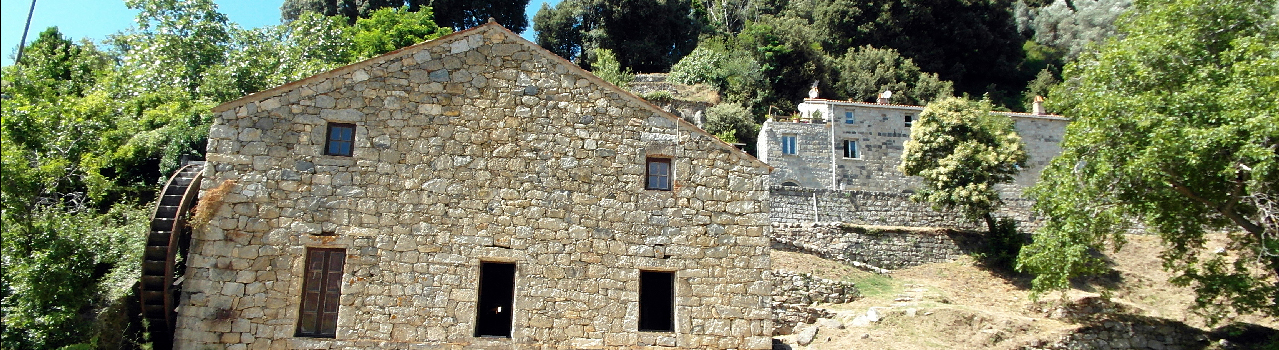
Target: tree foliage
x=1070 y=26
x=646 y=35
x=1175 y=127
x=87 y=136
x=454 y=14
x=462 y=14
x=608 y=68
x=962 y=151
x=388 y=29
x=732 y=71
x=865 y=72
x=732 y=123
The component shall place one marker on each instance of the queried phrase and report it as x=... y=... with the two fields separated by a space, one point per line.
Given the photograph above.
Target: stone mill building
x=474 y=191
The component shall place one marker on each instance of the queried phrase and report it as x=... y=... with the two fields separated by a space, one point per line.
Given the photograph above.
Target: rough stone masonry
x=476 y=148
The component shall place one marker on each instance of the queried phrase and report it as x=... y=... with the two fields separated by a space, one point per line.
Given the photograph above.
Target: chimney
x=1038 y=107
x=883 y=97
x=814 y=92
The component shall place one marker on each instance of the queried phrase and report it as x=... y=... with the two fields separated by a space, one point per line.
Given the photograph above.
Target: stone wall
x=810 y=166
x=475 y=147
x=1134 y=332
x=879 y=247
x=801 y=205
x=795 y=293
x=688 y=102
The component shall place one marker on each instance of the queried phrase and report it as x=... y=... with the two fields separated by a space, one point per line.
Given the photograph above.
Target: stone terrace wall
x=888 y=248
x=799 y=205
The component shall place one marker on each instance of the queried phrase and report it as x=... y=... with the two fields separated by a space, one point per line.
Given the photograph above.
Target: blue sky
x=95 y=19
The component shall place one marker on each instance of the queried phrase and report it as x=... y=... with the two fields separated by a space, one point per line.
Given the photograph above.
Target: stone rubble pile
x=794 y=295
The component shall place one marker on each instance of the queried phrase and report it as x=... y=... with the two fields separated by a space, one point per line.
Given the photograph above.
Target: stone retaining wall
x=795 y=293
x=886 y=248
x=796 y=205
x=1137 y=333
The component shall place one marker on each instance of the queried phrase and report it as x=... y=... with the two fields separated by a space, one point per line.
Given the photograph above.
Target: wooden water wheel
x=163 y=260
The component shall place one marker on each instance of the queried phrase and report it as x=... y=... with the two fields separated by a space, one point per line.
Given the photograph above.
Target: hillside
x=960 y=305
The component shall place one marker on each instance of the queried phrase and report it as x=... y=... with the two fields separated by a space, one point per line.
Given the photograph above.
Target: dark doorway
x=497 y=291
x=657 y=301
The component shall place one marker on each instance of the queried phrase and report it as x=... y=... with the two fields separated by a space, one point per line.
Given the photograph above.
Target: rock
x=872 y=315
x=806 y=336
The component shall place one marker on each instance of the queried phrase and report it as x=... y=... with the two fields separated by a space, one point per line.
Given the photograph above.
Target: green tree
x=646 y=35
x=68 y=257
x=732 y=123
x=64 y=266
x=730 y=70
x=54 y=64
x=389 y=29
x=455 y=14
x=789 y=59
x=1176 y=127
x=174 y=42
x=270 y=56
x=607 y=68
x=350 y=10
x=971 y=43
x=1043 y=83
x=1070 y=26
x=962 y=151
x=462 y=14
x=865 y=72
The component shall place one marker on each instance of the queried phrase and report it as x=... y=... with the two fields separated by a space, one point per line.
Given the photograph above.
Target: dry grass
x=960 y=305
x=209 y=204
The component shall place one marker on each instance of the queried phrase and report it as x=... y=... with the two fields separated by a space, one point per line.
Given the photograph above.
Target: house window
x=497 y=295
x=320 y=293
x=909 y=119
x=848 y=118
x=341 y=140
x=850 y=149
x=659 y=174
x=657 y=301
x=788 y=144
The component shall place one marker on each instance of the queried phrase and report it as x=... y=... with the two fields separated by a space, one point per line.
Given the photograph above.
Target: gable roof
x=409 y=50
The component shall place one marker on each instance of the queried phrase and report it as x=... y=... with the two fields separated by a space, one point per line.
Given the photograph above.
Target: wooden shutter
x=321 y=291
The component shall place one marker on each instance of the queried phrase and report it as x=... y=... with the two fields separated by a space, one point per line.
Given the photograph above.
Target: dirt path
x=959 y=305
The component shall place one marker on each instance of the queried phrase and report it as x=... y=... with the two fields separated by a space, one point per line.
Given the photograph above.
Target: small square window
x=850 y=149
x=341 y=140
x=788 y=144
x=658 y=174
x=848 y=118
x=909 y=120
